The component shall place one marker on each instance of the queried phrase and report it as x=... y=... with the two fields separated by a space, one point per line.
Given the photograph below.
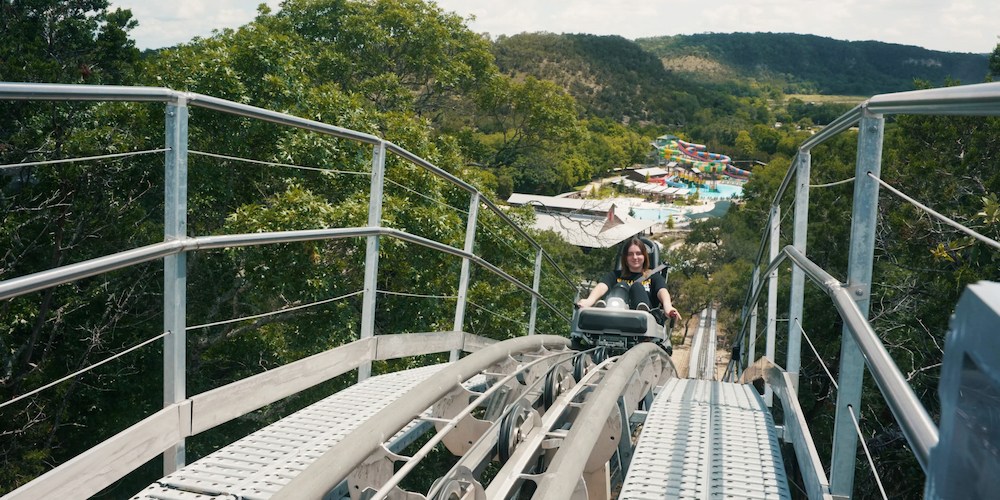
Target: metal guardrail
x=177 y=243
x=862 y=346
x=916 y=423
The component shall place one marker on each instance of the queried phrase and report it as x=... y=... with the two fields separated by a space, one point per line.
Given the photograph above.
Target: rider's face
x=634 y=259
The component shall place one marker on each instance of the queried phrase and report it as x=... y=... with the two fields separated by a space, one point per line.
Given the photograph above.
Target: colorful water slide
x=698 y=152
x=697 y=157
x=737 y=172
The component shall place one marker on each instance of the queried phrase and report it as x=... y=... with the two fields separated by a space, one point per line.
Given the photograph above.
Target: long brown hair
x=645 y=256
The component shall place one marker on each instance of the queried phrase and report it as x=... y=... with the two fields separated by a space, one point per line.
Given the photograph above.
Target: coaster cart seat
x=617 y=328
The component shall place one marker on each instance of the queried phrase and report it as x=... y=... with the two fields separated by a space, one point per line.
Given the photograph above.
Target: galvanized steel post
x=772 y=294
x=535 y=285
x=752 y=335
x=859 y=276
x=371 y=252
x=463 y=281
x=175 y=269
x=799 y=239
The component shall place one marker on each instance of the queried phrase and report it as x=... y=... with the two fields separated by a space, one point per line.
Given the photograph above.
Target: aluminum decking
x=706 y=439
x=258 y=465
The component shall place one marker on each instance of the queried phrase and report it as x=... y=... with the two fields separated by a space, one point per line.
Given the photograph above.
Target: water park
x=688 y=183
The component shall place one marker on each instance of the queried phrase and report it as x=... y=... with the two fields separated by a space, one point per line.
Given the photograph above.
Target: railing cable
x=422 y=195
x=275 y=164
x=273 y=313
x=831 y=184
x=497 y=237
x=417 y=295
x=512 y=320
x=84 y=370
x=84 y=158
x=864 y=444
x=813 y=347
x=956 y=225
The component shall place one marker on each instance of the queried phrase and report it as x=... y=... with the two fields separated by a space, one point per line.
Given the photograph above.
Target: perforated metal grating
x=256 y=466
x=706 y=439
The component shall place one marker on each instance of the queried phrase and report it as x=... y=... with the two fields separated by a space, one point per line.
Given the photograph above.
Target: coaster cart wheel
x=512 y=428
x=579 y=366
x=600 y=354
x=555 y=383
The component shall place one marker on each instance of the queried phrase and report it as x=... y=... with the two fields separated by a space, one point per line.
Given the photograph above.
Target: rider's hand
x=672 y=312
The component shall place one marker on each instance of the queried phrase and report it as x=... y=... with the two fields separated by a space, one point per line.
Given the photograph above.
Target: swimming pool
x=663 y=213
x=722 y=191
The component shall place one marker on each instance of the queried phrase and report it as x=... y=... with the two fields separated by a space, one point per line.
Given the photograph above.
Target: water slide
x=737 y=172
x=697 y=157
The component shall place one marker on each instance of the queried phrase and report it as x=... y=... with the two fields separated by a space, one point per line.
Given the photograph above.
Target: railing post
x=371 y=252
x=859 y=275
x=799 y=237
x=463 y=281
x=751 y=349
x=772 y=293
x=175 y=269
x=535 y=285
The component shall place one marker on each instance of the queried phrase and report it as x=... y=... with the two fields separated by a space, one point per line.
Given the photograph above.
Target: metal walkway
x=699 y=439
x=707 y=439
x=258 y=465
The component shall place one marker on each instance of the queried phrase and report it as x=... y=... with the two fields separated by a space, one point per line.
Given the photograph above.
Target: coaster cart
x=615 y=328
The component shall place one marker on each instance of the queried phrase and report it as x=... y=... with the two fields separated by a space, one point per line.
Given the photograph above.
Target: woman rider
x=645 y=290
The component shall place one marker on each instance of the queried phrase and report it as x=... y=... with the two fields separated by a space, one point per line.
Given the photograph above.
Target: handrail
x=55 y=91
x=916 y=423
x=66 y=274
x=981 y=99
x=978 y=99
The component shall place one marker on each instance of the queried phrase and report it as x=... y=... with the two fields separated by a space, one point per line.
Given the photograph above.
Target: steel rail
x=916 y=423
x=334 y=465
x=66 y=274
x=568 y=467
x=981 y=99
x=528 y=450
x=75 y=92
x=451 y=423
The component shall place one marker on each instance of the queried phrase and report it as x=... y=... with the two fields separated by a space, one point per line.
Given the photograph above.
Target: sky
x=952 y=26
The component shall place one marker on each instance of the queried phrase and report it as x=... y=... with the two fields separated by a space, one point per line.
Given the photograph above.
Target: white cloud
x=163 y=24
x=958 y=26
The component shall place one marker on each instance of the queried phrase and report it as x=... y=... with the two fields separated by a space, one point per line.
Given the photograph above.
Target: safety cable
x=422 y=195
x=275 y=164
x=497 y=237
x=84 y=158
x=931 y=211
x=830 y=184
x=512 y=320
x=272 y=313
x=417 y=295
x=821 y=362
x=864 y=444
x=84 y=370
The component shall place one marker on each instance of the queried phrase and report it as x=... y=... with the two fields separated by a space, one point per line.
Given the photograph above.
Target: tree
x=994 y=63
x=53 y=215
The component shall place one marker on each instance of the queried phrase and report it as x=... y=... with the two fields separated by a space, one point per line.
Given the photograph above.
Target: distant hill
x=813 y=64
x=610 y=76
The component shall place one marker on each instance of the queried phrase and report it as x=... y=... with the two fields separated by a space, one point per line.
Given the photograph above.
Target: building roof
x=587 y=231
x=652 y=172
x=584 y=222
x=560 y=203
